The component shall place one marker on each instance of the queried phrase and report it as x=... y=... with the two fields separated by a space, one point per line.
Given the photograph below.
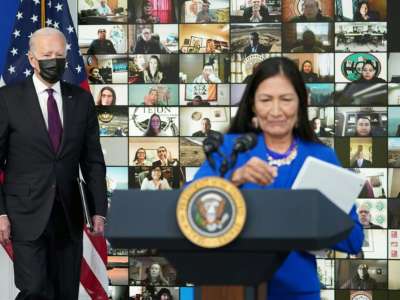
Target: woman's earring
x=254 y=122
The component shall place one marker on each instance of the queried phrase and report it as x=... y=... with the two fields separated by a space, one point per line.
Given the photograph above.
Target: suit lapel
x=36 y=113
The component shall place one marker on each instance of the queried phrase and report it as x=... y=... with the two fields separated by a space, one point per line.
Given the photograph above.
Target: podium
x=278 y=221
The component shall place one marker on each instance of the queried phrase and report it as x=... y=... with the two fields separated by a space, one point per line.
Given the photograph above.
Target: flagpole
x=43 y=12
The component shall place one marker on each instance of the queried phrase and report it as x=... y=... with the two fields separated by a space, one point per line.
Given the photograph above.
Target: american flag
x=94 y=279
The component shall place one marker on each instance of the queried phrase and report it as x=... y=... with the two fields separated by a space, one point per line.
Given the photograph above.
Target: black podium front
x=278 y=221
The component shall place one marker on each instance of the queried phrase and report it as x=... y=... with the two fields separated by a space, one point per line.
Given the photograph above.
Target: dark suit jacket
x=365 y=164
x=172 y=163
x=248 y=12
x=260 y=49
x=34 y=173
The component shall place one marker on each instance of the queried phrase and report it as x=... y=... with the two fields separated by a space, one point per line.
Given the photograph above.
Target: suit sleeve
x=247 y=14
x=92 y=162
x=3 y=148
x=353 y=243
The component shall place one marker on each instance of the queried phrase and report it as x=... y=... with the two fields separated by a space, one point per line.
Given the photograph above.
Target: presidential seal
x=211 y=212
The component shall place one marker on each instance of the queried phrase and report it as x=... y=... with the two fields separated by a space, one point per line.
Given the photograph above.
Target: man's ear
x=31 y=59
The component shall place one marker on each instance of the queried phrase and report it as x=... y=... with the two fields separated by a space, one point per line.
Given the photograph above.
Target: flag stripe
x=93 y=259
x=91 y=284
x=98 y=243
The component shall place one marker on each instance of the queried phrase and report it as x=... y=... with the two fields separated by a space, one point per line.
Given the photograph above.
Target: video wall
x=166 y=73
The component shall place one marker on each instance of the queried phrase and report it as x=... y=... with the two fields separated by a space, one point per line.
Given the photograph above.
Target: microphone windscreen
x=245 y=142
x=210 y=145
x=217 y=136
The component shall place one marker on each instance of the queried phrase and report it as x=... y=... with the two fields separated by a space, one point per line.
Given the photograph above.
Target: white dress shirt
x=42 y=94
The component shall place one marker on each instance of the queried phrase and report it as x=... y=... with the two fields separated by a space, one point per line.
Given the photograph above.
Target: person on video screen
x=363 y=126
x=360 y=161
x=311 y=13
x=164 y=158
x=364 y=215
x=147 y=44
x=103 y=9
x=106 y=97
x=140 y=158
x=309 y=44
x=255 y=46
x=363 y=13
x=257 y=12
x=368 y=74
x=153 y=72
x=155 y=181
x=164 y=294
x=153 y=126
x=147 y=14
x=198 y=101
x=205 y=128
x=361 y=280
x=208 y=75
x=307 y=72
x=101 y=45
x=152 y=98
x=205 y=16
x=318 y=129
x=95 y=76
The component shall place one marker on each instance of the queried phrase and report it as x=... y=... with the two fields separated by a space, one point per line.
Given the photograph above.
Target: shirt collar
x=41 y=87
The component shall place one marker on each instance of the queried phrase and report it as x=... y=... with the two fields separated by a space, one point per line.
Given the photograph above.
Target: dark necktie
x=54 y=121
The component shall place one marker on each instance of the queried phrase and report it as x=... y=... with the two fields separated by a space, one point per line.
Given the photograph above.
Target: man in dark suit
x=48 y=129
x=257 y=12
x=360 y=162
x=164 y=160
x=255 y=46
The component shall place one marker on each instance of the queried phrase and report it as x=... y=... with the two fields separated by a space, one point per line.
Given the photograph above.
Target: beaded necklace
x=278 y=159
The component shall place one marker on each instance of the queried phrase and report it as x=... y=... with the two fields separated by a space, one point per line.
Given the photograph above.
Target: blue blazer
x=297 y=277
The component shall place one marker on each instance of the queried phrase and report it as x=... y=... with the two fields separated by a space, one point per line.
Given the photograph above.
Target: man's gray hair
x=45 y=31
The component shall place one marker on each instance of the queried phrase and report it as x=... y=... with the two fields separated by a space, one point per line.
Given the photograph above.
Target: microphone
x=211 y=144
x=243 y=143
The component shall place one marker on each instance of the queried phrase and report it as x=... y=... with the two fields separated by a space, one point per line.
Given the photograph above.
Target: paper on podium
x=339 y=185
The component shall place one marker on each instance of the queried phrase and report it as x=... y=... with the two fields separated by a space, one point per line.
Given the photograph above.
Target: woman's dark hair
x=150 y=130
x=357 y=15
x=106 y=88
x=164 y=291
x=266 y=69
x=307 y=62
x=368 y=62
x=92 y=69
x=361 y=3
x=313 y=120
x=136 y=154
x=152 y=168
x=158 y=64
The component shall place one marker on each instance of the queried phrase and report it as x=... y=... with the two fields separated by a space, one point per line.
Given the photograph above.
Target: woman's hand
x=256 y=171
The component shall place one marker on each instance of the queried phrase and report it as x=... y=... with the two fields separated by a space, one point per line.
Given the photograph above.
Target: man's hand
x=98 y=225
x=5 y=229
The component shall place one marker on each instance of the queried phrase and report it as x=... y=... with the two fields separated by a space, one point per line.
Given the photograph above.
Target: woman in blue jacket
x=274 y=106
